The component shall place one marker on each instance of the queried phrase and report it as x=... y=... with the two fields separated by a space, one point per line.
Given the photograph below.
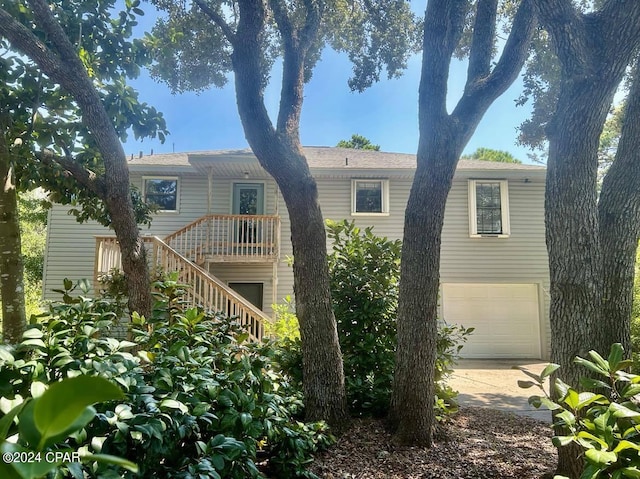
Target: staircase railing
x=221 y=238
x=206 y=290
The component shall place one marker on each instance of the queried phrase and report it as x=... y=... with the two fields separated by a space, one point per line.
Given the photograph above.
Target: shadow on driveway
x=494 y=384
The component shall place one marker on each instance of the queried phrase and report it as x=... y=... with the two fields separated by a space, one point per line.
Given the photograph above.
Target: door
x=506 y=318
x=248 y=199
x=253 y=292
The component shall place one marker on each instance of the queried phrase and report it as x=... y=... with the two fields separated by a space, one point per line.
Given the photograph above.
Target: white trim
x=504 y=209
x=162 y=178
x=384 y=186
x=249 y=182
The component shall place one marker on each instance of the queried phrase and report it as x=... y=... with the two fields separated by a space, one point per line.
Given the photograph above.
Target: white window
x=369 y=197
x=488 y=208
x=161 y=192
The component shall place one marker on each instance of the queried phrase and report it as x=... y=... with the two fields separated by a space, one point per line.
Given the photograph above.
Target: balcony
x=229 y=238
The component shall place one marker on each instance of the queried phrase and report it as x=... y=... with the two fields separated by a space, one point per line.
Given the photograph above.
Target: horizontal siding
x=521 y=258
x=233 y=273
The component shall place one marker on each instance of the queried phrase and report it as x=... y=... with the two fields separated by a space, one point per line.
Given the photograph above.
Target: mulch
x=476 y=443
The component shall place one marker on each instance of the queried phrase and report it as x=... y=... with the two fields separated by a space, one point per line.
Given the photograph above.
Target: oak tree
x=443 y=136
x=79 y=73
x=591 y=237
x=197 y=46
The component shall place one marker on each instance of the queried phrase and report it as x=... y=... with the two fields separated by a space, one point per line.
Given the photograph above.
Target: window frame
x=504 y=209
x=384 y=200
x=162 y=178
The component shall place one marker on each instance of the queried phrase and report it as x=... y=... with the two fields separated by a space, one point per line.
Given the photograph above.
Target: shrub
x=200 y=400
x=52 y=415
x=607 y=426
x=364 y=273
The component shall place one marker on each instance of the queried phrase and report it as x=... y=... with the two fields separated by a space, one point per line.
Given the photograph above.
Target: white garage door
x=506 y=318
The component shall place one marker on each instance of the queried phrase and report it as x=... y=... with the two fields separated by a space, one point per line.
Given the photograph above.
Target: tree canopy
x=81 y=52
x=488 y=154
x=358 y=142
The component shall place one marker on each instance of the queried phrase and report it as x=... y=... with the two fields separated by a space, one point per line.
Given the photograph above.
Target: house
x=223 y=223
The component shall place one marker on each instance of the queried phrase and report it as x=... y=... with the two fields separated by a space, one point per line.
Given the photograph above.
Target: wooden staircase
x=206 y=290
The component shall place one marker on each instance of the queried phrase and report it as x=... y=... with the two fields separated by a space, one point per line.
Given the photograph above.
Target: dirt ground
x=478 y=443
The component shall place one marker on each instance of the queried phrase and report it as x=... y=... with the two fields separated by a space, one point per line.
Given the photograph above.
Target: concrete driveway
x=494 y=384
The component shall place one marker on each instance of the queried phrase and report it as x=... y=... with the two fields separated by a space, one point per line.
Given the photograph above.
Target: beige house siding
x=520 y=258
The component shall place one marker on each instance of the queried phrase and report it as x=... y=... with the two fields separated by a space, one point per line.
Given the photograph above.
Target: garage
x=506 y=318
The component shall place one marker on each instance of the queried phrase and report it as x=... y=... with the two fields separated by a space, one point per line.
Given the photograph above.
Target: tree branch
x=568 y=30
x=218 y=20
x=482 y=44
x=82 y=175
x=285 y=25
x=443 y=25
x=27 y=43
x=296 y=42
x=480 y=94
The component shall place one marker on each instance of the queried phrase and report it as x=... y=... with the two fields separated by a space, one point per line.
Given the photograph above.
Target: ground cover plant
x=200 y=400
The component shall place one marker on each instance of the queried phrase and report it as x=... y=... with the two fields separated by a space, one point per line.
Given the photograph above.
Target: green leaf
x=625 y=445
x=109 y=459
x=615 y=356
x=600 y=458
x=245 y=418
x=173 y=404
x=620 y=411
x=561 y=441
x=632 y=472
x=584 y=399
x=548 y=370
x=537 y=401
x=5 y=355
x=595 y=439
x=561 y=388
x=7 y=421
x=590 y=383
x=526 y=384
x=567 y=417
x=592 y=366
x=572 y=399
x=66 y=401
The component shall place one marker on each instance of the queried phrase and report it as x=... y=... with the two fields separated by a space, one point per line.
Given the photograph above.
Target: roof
x=319 y=158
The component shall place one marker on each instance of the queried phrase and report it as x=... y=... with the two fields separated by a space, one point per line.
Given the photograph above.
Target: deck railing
x=205 y=290
x=229 y=238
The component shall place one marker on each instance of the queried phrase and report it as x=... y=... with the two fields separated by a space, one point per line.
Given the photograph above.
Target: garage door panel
x=506 y=318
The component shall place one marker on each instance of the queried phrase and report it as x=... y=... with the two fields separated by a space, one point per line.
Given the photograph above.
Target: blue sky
x=386 y=113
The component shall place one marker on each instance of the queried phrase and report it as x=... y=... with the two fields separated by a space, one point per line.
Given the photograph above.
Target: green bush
x=606 y=426
x=364 y=271
x=54 y=413
x=200 y=399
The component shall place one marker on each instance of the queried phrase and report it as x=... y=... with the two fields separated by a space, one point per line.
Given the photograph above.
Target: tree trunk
x=442 y=138
x=412 y=402
x=280 y=154
x=322 y=360
x=11 y=264
x=619 y=214
x=58 y=60
x=591 y=72
x=573 y=243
